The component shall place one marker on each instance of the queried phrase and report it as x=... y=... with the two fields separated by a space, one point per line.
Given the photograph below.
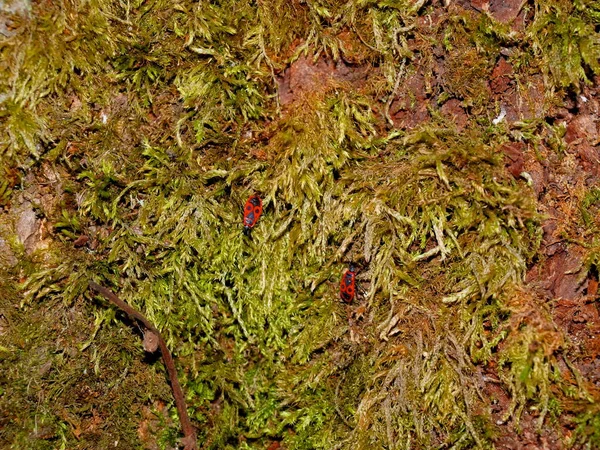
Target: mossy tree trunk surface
x=448 y=150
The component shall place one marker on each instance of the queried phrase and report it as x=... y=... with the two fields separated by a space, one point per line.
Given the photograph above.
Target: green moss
x=69 y=390
x=567 y=42
x=157 y=125
x=586 y=432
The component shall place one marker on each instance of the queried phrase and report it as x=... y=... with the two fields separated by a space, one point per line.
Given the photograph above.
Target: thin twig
x=189 y=440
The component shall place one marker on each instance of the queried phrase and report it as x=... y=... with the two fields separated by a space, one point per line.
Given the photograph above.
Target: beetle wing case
x=252 y=212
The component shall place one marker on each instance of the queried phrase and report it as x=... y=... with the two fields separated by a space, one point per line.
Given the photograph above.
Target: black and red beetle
x=348 y=284
x=252 y=211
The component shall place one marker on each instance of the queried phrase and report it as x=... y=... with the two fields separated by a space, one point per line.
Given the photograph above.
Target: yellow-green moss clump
x=160 y=119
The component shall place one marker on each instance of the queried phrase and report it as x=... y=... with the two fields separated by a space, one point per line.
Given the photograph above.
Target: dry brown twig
x=189 y=440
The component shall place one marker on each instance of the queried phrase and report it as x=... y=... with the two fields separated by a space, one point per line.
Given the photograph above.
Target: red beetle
x=348 y=284
x=252 y=212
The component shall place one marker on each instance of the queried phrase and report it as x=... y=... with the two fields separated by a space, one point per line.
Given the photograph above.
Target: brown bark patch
x=307 y=76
